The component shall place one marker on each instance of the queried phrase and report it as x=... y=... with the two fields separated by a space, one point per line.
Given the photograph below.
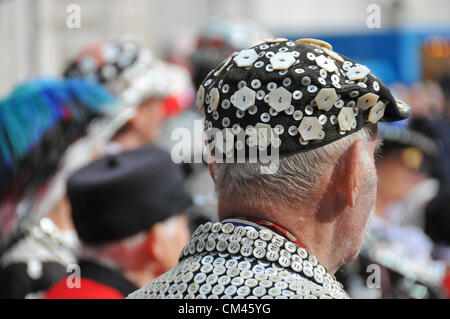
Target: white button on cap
x=200 y=97
x=316 y=42
x=275 y=40
x=402 y=105
x=246 y=58
x=376 y=112
x=282 y=60
x=214 y=99
x=225 y=64
x=357 y=72
x=310 y=128
x=244 y=98
x=333 y=55
x=280 y=99
x=326 y=63
x=226 y=143
x=264 y=132
x=326 y=98
x=367 y=100
x=346 y=118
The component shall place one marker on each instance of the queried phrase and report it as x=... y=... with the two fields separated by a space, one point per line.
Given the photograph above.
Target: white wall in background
x=35 y=39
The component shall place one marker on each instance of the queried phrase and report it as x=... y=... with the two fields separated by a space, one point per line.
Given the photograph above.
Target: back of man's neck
x=302 y=223
x=129 y=140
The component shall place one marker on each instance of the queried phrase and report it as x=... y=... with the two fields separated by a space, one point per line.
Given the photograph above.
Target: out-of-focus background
x=412 y=38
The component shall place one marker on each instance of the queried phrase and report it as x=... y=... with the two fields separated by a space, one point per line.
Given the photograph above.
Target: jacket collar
x=107 y=276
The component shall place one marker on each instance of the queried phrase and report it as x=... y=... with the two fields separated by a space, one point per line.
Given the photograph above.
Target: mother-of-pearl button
x=246 y=58
x=275 y=40
x=214 y=100
x=326 y=98
x=376 y=112
x=376 y=86
x=280 y=99
x=225 y=64
x=200 y=97
x=326 y=63
x=316 y=42
x=244 y=98
x=310 y=128
x=367 y=100
x=282 y=60
x=357 y=72
x=333 y=55
x=226 y=143
x=264 y=132
x=306 y=80
x=311 y=56
x=346 y=118
x=256 y=84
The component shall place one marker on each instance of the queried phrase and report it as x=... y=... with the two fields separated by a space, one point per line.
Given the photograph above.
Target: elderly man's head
x=145 y=255
x=318 y=110
x=333 y=184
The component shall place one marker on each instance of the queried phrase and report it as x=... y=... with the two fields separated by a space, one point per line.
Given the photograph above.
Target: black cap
x=305 y=93
x=403 y=136
x=121 y=195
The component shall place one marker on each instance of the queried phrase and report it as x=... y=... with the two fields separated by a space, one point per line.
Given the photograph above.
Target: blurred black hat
x=121 y=195
x=415 y=141
x=412 y=132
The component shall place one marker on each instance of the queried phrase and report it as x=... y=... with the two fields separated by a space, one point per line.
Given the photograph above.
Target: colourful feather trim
x=38 y=105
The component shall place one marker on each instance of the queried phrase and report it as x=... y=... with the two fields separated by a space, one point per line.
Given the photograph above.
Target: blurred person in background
x=437 y=227
x=129 y=212
x=42 y=122
x=148 y=89
x=437 y=216
x=427 y=99
x=431 y=102
x=396 y=240
x=217 y=39
x=405 y=167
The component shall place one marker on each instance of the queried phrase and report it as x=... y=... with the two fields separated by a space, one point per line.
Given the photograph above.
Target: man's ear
x=152 y=244
x=211 y=171
x=349 y=172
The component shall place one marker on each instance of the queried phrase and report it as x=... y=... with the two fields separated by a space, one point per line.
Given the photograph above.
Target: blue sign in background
x=392 y=55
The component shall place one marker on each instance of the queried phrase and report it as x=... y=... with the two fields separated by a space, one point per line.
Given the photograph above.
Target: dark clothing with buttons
x=33 y=262
x=17 y=284
x=227 y=260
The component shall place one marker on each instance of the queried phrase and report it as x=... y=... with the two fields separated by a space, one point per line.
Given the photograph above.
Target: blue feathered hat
x=38 y=105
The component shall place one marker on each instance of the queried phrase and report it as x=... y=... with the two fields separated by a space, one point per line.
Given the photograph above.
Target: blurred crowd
x=87 y=179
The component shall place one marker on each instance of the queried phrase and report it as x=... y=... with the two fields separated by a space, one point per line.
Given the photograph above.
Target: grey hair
x=114 y=254
x=297 y=177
